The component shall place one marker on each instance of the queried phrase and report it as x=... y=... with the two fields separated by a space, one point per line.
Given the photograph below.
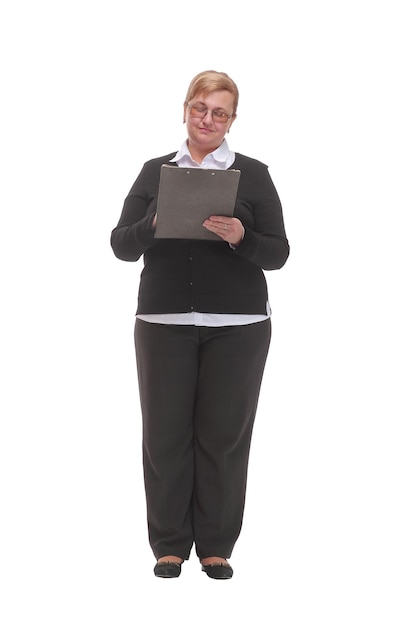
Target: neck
x=197 y=154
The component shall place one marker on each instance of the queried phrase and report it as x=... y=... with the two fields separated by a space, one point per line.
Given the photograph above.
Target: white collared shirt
x=220 y=159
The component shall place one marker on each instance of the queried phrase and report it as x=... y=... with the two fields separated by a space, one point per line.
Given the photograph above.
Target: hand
x=230 y=229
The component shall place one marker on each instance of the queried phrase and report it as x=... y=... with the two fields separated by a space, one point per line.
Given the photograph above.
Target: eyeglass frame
x=229 y=117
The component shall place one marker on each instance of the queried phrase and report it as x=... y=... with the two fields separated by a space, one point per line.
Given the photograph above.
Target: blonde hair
x=210 y=80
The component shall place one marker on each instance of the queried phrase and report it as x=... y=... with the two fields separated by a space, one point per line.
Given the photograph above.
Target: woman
x=202 y=334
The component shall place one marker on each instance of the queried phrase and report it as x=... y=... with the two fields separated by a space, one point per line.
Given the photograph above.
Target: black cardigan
x=181 y=275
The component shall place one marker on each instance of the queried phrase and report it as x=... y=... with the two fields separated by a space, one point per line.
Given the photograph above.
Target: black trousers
x=199 y=389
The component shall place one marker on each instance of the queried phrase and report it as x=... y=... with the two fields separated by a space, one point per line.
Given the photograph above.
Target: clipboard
x=187 y=196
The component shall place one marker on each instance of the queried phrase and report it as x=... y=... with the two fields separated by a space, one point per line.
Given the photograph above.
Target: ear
x=231 y=122
x=185 y=113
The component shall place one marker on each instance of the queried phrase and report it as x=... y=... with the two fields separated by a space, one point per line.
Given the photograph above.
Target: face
x=205 y=134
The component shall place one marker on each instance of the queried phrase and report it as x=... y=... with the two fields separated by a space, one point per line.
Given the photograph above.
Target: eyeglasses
x=199 y=110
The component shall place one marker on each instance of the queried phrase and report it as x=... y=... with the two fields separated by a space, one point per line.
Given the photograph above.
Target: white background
x=90 y=90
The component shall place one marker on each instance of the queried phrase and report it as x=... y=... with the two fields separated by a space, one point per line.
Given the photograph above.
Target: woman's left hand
x=230 y=229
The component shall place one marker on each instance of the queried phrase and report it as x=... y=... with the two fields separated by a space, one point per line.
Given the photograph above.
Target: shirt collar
x=221 y=157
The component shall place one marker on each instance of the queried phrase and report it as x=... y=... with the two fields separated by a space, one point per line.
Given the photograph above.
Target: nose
x=208 y=120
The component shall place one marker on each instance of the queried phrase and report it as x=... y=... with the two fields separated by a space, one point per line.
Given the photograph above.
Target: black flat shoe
x=219 y=571
x=167 y=569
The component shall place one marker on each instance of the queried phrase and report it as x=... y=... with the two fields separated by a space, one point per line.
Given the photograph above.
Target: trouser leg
x=231 y=366
x=167 y=362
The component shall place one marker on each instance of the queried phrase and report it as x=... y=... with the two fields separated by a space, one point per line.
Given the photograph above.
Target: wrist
x=236 y=245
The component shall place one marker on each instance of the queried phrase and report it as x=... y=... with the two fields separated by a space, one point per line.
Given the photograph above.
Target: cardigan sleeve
x=265 y=242
x=134 y=233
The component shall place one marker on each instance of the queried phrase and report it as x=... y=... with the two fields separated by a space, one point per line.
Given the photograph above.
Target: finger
x=219 y=219
x=217 y=224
